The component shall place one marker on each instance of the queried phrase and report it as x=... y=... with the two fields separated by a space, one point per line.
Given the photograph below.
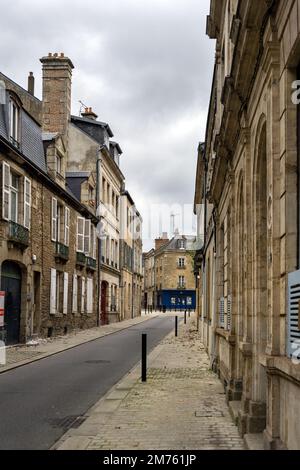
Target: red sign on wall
x=2 y=297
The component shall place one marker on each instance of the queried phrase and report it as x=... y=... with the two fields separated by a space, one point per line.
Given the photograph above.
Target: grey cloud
x=145 y=66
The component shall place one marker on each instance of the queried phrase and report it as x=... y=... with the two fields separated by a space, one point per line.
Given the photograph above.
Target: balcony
x=181 y=286
x=80 y=259
x=62 y=251
x=91 y=263
x=18 y=234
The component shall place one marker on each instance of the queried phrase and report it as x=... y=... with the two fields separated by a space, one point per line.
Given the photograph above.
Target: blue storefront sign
x=178 y=299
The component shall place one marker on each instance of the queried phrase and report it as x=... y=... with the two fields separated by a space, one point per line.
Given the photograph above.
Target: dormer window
x=14 y=118
x=181 y=244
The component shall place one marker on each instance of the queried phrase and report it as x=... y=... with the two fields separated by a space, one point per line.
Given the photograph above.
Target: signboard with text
x=2 y=297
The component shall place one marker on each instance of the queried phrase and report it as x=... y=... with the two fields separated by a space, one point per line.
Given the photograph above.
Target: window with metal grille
x=293 y=318
x=229 y=319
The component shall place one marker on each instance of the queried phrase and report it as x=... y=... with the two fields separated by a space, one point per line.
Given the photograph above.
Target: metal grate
x=293 y=327
x=68 y=422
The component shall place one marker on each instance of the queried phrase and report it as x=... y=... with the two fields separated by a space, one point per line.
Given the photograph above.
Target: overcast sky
x=144 y=66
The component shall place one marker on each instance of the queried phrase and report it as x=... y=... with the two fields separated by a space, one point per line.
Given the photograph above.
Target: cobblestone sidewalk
x=23 y=354
x=182 y=405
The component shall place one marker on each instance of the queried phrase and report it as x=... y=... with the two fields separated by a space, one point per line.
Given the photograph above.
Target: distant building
x=169 y=274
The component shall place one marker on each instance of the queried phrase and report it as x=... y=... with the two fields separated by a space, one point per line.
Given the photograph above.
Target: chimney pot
x=31 y=83
x=62 y=54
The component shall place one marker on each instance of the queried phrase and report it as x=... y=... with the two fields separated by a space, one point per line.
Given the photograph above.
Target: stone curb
x=72 y=346
x=100 y=413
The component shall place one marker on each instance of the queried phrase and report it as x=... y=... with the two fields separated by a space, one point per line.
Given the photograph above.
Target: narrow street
x=39 y=401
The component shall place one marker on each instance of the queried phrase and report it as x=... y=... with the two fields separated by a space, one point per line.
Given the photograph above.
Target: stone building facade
x=169 y=274
x=48 y=280
x=247 y=201
x=130 y=258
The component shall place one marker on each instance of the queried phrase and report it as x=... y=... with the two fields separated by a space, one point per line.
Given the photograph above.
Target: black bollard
x=185 y=317
x=176 y=326
x=144 y=357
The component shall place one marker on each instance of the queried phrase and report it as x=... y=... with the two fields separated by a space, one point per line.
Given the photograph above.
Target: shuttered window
x=94 y=242
x=65 y=296
x=293 y=319
x=54 y=220
x=82 y=306
x=80 y=234
x=53 y=292
x=75 y=294
x=5 y=191
x=87 y=236
x=222 y=312
x=27 y=203
x=89 y=296
x=229 y=317
x=67 y=226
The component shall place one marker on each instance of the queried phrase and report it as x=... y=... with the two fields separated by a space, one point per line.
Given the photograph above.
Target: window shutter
x=87 y=236
x=5 y=191
x=66 y=285
x=80 y=234
x=222 y=312
x=27 y=202
x=89 y=296
x=54 y=220
x=53 y=292
x=75 y=294
x=94 y=242
x=229 y=312
x=67 y=226
x=293 y=319
x=82 y=295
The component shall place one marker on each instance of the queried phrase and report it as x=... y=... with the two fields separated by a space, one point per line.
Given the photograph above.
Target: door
x=11 y=285
x=104 y=317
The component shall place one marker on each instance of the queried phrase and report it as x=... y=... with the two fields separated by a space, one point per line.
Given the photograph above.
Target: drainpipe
x=98 y=213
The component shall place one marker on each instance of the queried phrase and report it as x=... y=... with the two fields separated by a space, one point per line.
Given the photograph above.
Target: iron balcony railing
x=80 y=258
x=91 y=263
x=62 y=251
x=18 y=234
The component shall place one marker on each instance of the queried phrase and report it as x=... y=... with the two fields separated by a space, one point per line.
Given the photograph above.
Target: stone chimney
x=159 y=242
x=57 y=80
x=89 y=114
x=31 y=83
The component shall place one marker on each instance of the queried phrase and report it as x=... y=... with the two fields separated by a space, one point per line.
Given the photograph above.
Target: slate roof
x=31 y=145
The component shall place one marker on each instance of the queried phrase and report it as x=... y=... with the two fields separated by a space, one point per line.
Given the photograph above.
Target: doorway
x=104 y=291
x=11 y=281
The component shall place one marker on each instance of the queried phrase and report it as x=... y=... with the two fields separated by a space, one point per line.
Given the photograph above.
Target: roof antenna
x=82 y=106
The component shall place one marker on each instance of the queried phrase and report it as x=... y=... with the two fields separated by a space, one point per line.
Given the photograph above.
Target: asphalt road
x=38 y=401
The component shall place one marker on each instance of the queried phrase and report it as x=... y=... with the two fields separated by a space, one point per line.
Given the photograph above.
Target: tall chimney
x=159 y=242
x=57 y=80
x=31 y=83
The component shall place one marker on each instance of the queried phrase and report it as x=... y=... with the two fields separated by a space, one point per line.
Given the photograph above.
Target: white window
x=65 y=295
x=67 y=226
x=75 y=294
x=5 y=191
x=94 y=242
x=181 y=281
x=80 y=234
x=14 y=122
x=182 y=244
x=59 y=164
x=14 y=197
x=87 y=236
x=54 y=220
x=27 y=202
x=82 y=304
x=89 y=296
x=53 y=292
x=181 y=262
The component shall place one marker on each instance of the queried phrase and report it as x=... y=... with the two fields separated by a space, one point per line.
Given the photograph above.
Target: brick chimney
x=57 y=80
x=159 y=242
x=89 y=114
